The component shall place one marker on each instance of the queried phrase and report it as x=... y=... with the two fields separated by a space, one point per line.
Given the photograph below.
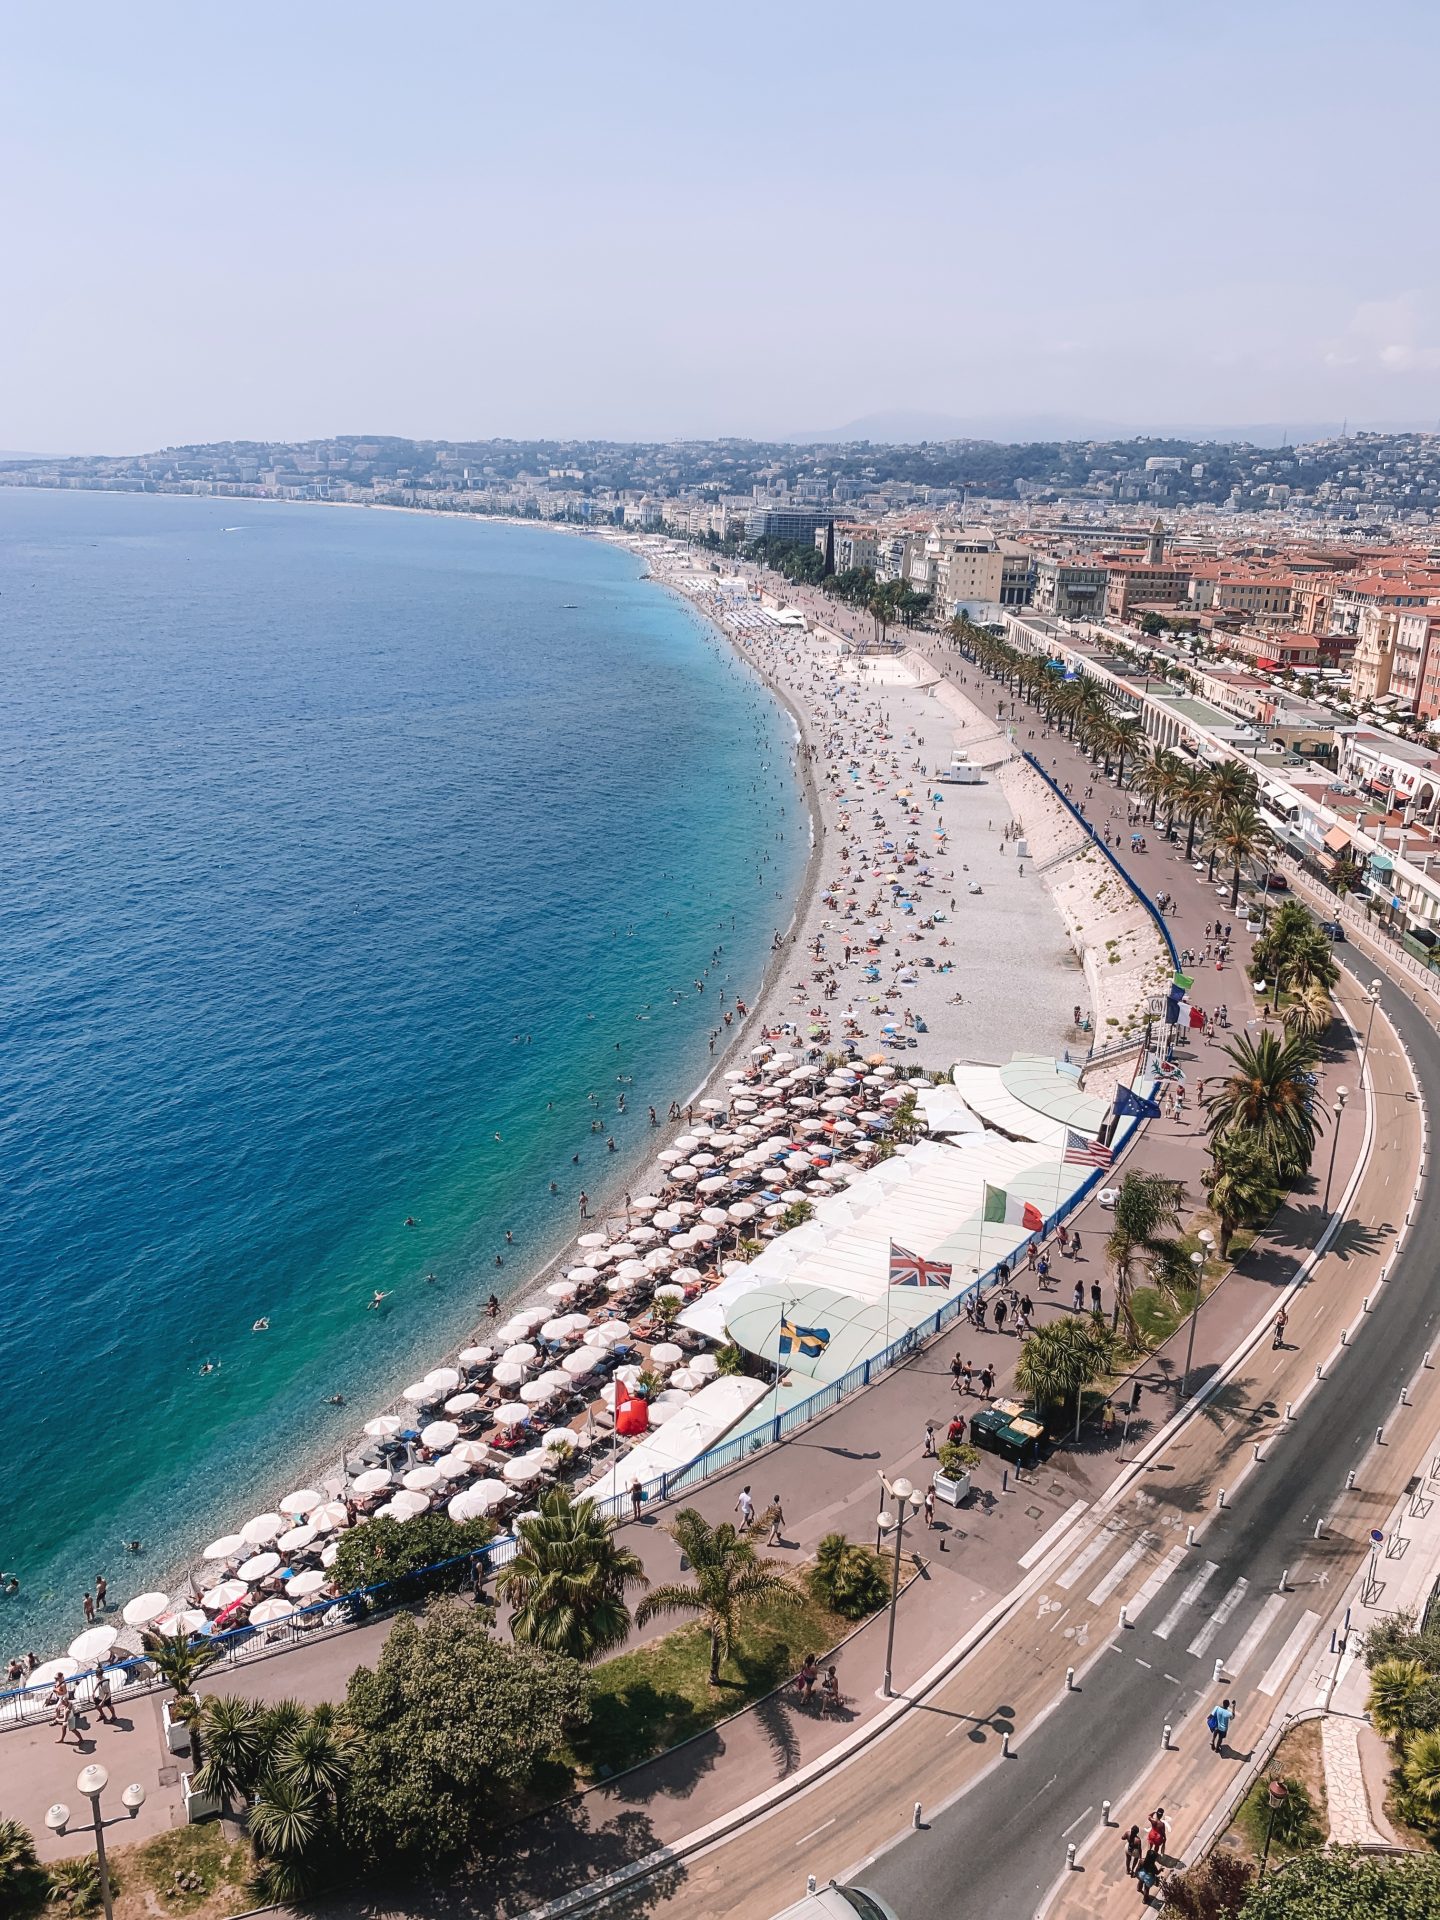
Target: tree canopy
x=454 y=1726
x=1343 y=1884
x=386 y=1549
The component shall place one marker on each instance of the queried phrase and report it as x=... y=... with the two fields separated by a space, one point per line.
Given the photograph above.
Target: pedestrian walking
x=1281 y=1322
x=929 y=1448
x=88 y=1606
x=1148 y=1877
x=929 y=1506
x=1095 y=1297
x=1079 y=1299
x=1155 y=1839
x=1134 y=1852
x=745 y=1507
x=955 y=1432
x=776 y=1517
x=1000 y=1312
x=1107 y=1420
x=102 y=1589
x=104 y=1710
x=987 y=1381
x=1219 y=1725
x=1027 y=1312
x=637 y=1498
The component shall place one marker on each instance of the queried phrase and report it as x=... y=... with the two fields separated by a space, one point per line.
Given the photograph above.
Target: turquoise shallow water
x=336 y=843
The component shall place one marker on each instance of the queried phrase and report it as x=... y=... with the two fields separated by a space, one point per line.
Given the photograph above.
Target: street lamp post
x=1276 y=1794
x=1342 y=1094
x=904 y=1495
x=1197 y=1261
x=1373 y=992
x=92 y=1782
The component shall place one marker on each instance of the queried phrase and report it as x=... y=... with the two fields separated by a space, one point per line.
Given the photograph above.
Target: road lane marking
x=1128 y=1560
x=1082 y=1562
x=1188 y=1598
x=1255 y=1633
x=1048 y=1539
x=1156 y=1581
x=1217 y=1619
x=1075 y=1823
x=814 y=1830
x=1274 y=1676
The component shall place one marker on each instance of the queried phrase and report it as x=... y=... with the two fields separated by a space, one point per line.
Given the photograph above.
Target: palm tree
x=21 y=1876
x=1394 y=1685
x=1268 y=1097
x=567 y=1583
x=1240 y=834
x=1192 y=796
x=1422 y=1768
x=232 y=1747
x=1309 y=1013
x=1140 y=1243
x=179 y=1663
x=1063 y=1357
x=729 y=1578
x=286 y=1822
x=319 y=1755
x=1242 y=1185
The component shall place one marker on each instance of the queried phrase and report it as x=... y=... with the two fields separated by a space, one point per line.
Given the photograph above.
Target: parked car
x=834 y=1902
x=1276 y=883
x=1334 y=929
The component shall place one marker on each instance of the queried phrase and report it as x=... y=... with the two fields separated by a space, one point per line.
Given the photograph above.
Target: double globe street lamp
x=92 y=1782
x=907 y=1501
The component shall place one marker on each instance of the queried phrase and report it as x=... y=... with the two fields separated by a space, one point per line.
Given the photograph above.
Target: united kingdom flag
x=909 y=1269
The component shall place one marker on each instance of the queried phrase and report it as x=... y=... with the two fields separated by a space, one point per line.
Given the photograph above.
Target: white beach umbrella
x=742 y=1210
x=305 y=1585
x=264 y=1528
x=224 y=1595
x=512 y=1331
x=421 y=1394
x=667 y=1219
x=691 y=1276
x=624 y=1250
x=558 y=1439
x=187 y=1621
x=297 y=1505
x=257 y=1567
x=670 y=1291
x=561 y=1290
x=612 y=1332
x=666 y=1354
x=590 y=1240
x=93 y=1644
x=619 y=1285
x=703 y=1231
x=472 y=1452
x=685 y=1208
x=374 y=1480
x=579 y=1363
x=669 y=1157
x=705 y=1364
x=534 y=1394
x=682 y=1242
x=659 y=1412
x=450 y=1467
x=686 y=1143
x=225 y=1548
x=630 y=1374
x=461 y=1403
x=446 y=1379
x=582 y=1276
x=328 y=1518
x=475 y=1502
x=712 y=1105
x=476 y=1356
x=50 y=1671
x=684 y=1174
x=714 y=1216
x=685 y=1377
x=296 y=1540
x=145 y=1609
x=659 y=1260
x=530 y=1317
x=508 y=1373
x=269 y=1611
x=522 y=1472
x=422 y=1479
x=554 y=1330
x=331 y=1554
x=384 y=1426
x=407 y=1503
x=522 y=1354
x=512 y=1413
x=703 y=1160
x=439 y=1433
x=576 y=1322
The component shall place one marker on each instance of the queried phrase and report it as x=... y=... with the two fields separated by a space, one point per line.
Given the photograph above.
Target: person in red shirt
x=955 y=1432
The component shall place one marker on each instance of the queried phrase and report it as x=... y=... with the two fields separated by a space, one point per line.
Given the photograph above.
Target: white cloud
x=1389 y=334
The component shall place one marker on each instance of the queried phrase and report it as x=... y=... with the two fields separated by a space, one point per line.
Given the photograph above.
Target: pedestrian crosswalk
x=1214 y=1619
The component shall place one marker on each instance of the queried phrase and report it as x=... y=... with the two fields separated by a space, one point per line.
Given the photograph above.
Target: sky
x=647 y=221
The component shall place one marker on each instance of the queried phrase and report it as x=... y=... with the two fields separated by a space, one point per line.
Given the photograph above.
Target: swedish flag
x=809 y=1342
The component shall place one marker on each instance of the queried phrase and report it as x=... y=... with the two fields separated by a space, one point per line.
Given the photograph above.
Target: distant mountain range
x=902 y=428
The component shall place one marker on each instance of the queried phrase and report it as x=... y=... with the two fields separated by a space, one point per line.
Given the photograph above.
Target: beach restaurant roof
x=707 y=1416
x=856 y=1328
x=1030 y=1098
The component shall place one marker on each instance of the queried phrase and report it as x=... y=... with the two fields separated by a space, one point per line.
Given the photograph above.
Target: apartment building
x=1070 y=589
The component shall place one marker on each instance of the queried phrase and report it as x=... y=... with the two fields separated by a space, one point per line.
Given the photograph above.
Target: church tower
x=1155 y=551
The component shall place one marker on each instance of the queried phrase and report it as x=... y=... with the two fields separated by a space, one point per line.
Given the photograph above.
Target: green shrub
x=957 y=1458
x=1295 y=1824
x=847 y=1577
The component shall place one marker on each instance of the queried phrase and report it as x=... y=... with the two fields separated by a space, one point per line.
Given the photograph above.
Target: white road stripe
x=1156 y=1581
x=1188 y=1598
x=1084 y=1561
x=1048 y=1539
x=1255 y=1633
x=1217 y=1619
x=1274 y=1675
x=1121 y=1570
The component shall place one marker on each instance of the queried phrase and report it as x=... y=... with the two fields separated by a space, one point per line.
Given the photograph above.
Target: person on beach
x=637 y=1499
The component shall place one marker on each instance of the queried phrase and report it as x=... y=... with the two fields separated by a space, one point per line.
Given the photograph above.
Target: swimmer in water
x=261 y=1325
x=410 y=1219
x=375 y=1300
x=336 y=1400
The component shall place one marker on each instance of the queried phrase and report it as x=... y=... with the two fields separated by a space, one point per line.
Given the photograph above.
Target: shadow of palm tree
x=775 y=1718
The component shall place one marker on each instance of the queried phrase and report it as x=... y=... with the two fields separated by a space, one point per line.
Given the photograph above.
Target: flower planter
x=198 y=1806
x=177 y=1728
x=952 y=1492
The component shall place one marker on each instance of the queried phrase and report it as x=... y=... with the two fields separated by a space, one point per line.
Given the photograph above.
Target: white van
x=834 y=1902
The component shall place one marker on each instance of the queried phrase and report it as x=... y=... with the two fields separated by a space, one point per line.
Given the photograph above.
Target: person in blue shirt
x=1219 y=1724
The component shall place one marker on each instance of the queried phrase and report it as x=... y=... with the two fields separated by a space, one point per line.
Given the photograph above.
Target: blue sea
x=349 y=860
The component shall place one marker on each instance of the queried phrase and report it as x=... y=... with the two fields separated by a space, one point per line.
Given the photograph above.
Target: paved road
x=998 y=1847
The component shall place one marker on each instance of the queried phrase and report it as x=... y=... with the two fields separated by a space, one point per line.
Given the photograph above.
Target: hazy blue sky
x=637 y=220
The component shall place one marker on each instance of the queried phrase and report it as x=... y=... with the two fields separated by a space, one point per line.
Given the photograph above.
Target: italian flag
x=1003 y=1209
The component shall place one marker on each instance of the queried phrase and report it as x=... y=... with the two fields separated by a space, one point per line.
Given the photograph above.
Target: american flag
x=909 y=1269
x=1080 y=1152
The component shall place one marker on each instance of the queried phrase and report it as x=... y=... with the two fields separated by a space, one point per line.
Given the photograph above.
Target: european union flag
x=1128 y=1101
x=809 y=1342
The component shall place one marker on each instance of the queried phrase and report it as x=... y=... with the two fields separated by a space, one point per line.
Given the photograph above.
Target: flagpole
x=786 y=1309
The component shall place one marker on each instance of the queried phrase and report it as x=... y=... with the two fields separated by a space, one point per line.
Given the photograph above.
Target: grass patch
x=1303 y=1823
x=1158 y=1314
x=647 y=1700
x=156 y=1874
